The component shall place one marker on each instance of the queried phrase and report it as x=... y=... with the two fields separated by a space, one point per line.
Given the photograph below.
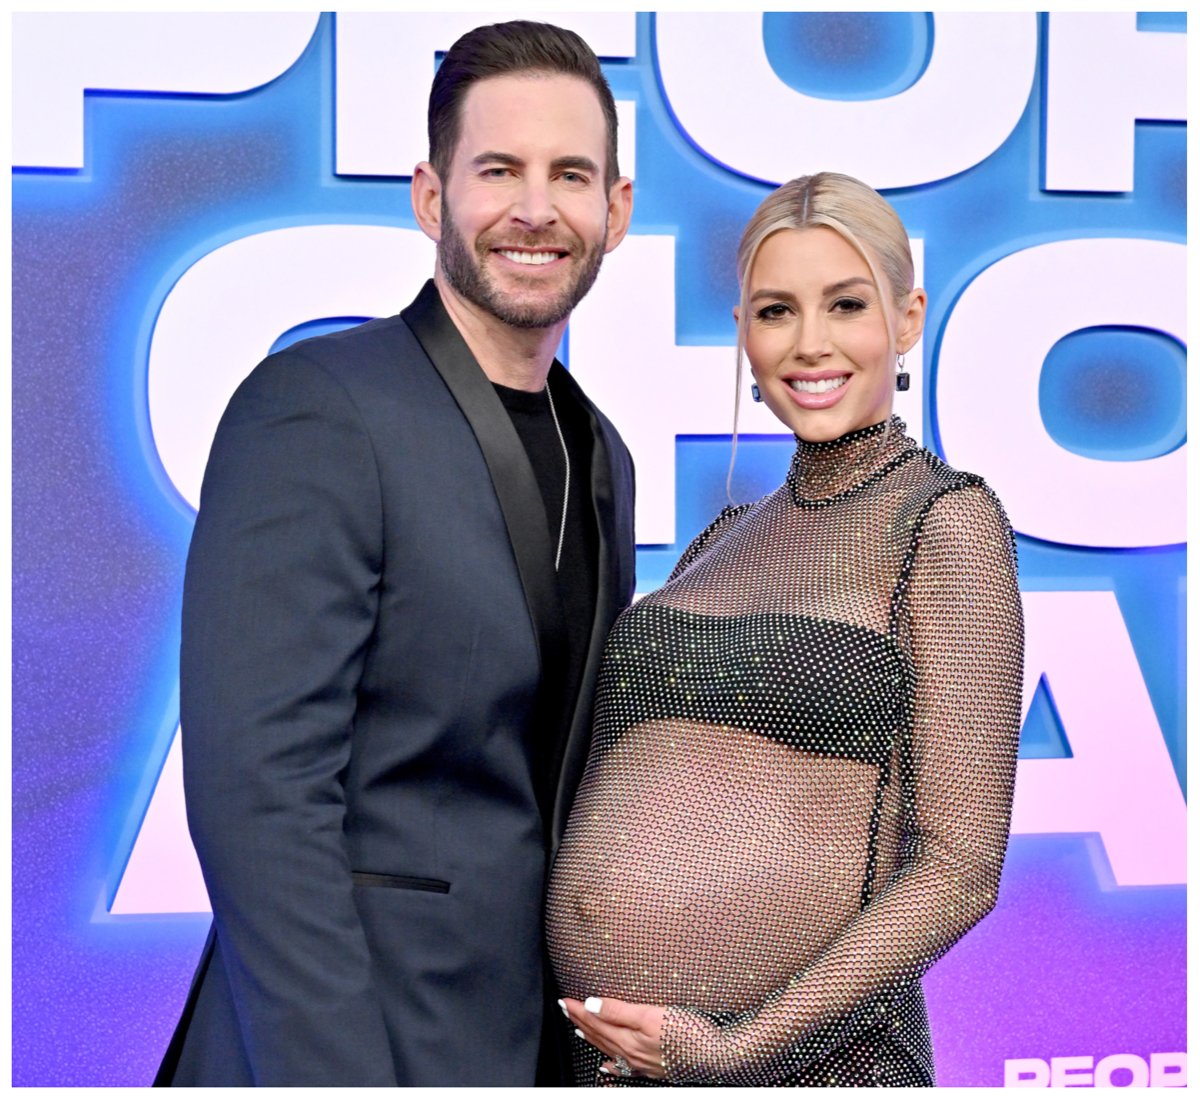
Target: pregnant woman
x=801 y=775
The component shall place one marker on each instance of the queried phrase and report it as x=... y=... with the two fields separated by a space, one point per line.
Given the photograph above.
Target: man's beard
x=466 y=275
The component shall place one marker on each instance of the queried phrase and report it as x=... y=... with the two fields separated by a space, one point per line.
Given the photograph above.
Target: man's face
x=525 y=214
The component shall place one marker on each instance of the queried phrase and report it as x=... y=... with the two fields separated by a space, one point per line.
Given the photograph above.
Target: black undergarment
x=818 y=685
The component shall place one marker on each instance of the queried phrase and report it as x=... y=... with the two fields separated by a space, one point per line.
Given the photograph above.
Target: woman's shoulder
x=938 y=475
x=957 y=506
x=934 y=479
x=721 y=522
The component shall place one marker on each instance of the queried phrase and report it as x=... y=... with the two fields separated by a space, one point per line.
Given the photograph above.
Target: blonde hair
x=859 y=214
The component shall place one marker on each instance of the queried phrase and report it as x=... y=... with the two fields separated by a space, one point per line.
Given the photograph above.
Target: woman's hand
x=623 y=1031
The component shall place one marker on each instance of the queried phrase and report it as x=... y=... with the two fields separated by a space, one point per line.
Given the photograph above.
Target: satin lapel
x=512 y=476
x=612 y=500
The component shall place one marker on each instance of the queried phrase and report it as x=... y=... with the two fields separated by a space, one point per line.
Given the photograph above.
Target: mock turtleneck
x=823 y=471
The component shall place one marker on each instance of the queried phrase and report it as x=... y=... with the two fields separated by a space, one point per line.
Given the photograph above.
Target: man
x=413 y=537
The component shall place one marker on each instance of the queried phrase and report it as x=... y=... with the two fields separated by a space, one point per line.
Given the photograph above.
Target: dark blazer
x=377 y=757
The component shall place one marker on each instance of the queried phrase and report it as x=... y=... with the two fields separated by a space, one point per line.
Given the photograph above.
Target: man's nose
x=533 y=206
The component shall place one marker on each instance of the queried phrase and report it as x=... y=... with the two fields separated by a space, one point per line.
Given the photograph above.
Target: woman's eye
x=773 y=312
x=849 y=305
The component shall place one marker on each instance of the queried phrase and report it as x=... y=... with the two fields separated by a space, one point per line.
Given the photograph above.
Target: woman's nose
x=811 y=340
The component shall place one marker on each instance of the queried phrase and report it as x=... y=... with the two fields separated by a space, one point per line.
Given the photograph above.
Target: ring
x=623 y=1068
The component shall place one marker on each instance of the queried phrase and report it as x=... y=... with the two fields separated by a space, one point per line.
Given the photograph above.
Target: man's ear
x=427 y=200
x=620 y=210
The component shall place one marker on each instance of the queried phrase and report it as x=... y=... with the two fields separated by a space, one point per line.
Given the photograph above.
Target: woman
x=801 y=776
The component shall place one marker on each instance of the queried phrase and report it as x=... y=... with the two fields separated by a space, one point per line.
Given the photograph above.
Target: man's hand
x=632 y=1033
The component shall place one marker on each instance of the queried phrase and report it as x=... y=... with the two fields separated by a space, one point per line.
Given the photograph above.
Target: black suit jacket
x=368 y=691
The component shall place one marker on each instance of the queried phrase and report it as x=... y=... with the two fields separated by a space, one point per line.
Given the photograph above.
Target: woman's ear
x=912 y=320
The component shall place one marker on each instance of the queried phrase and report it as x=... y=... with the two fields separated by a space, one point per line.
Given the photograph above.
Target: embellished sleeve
x=959 y=586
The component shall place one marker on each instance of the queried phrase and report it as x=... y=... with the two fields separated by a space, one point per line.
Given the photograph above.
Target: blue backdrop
x=1080 y=959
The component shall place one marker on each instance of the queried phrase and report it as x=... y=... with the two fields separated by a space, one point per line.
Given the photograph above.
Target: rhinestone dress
x=801 y=774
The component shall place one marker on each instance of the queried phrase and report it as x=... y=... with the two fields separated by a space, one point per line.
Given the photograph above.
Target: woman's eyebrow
x=843 y=284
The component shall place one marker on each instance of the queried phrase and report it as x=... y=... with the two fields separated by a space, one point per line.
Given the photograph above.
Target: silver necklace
x=562 y=527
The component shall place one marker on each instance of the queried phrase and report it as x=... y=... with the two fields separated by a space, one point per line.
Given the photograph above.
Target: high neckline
x=822 y=472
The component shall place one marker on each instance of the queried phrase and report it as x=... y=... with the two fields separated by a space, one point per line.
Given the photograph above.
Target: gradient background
x=1068 y=964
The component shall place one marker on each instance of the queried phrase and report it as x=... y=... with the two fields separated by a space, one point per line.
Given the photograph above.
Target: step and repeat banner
x=192 y=191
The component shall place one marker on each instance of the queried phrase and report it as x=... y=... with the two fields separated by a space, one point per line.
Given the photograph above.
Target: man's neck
x=519 y=358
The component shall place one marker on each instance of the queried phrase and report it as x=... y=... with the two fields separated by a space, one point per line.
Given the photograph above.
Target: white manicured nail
x=592 y=1005
x=604 y=1069
x=563 y=1006
x=579 y=1033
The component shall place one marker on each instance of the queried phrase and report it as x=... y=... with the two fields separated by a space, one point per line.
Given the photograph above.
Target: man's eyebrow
x=559 y=164
x=493 y=157
x=584 y=164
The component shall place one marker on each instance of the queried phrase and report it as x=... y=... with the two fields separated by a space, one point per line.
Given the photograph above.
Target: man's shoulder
x=369 y=362
x=369 y=367
x=380 y=339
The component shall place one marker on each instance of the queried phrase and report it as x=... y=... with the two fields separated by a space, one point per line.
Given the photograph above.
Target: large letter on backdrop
x=261 y=286
x=57 y=56
x=385 y=61
x=1118 y=781
x=989 y=366
x=162 y=875
x=959 y=111
x=1090 y=110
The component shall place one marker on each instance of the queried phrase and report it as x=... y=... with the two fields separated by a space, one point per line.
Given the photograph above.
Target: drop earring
x=902 y=377
x=755 y=392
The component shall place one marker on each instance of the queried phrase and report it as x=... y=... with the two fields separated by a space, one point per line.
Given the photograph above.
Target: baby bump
x=704 y=865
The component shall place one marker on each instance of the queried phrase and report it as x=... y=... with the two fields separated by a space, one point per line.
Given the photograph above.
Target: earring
x=755 y=392
x=902 y=378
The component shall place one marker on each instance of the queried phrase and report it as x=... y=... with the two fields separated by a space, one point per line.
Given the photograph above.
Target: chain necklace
x=562 y=527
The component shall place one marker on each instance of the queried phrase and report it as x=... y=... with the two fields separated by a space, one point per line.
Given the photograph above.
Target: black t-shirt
x=577 y=568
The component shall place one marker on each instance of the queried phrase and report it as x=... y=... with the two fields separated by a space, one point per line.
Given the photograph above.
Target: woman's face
x=817 y=340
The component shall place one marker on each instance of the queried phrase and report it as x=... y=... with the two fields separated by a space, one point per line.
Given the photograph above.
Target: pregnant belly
x=705 y=866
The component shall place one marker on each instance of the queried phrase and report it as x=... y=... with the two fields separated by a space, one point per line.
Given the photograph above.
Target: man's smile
x=530 y=257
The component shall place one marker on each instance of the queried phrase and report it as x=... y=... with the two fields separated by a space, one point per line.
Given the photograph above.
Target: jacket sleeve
x=280 y=600
x=958 y=772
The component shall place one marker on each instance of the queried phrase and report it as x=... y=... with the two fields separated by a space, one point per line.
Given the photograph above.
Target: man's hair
x=508 y=49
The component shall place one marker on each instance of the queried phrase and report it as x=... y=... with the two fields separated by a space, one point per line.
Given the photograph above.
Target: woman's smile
x=820 y=391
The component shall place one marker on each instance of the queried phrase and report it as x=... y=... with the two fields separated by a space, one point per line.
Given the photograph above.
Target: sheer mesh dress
x=801 y=774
